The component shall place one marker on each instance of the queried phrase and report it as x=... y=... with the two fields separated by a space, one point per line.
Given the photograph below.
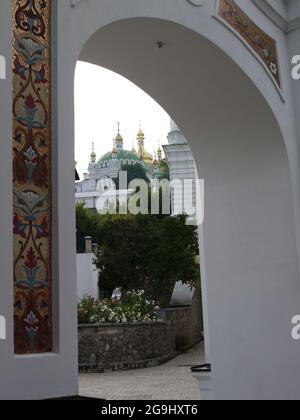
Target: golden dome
x=146 y=156
x=119 y=138
x=142 y=152
x=140 y=135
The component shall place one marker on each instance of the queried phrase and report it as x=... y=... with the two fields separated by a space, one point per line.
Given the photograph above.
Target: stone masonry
x=113 y=347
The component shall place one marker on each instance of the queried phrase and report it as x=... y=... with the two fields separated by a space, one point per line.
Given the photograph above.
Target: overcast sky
x=102 y=98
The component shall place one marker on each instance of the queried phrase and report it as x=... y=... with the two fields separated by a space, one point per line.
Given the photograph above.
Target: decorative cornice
x=277 y=18
x=281 y=21
x=272 y=14
x=293 y=25
x=196 y=3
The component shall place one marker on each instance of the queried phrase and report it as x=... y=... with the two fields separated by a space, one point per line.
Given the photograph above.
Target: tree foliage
x=136 y=171
x=88 y=223
x=164 y=170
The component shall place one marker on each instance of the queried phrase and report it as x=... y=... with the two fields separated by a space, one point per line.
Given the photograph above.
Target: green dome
x=121 y=155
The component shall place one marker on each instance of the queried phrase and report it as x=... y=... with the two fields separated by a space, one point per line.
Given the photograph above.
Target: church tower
x=159 y=153
x=176 y=136
x=118 y=141
x=142 y=152
x=182 y=167
x=93 y=155
x=140 y=140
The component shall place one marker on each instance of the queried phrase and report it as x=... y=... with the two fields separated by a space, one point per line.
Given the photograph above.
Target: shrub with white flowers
x=134 y=306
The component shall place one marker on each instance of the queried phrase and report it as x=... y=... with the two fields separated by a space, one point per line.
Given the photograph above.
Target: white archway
x=243 y=138
x=247 y=241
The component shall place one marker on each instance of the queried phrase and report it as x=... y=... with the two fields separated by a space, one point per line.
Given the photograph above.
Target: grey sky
x=102 y=98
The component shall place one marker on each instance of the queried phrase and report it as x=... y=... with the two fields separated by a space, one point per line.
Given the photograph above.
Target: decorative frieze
x=32 y=221
x=261 y=43
x=196 y=3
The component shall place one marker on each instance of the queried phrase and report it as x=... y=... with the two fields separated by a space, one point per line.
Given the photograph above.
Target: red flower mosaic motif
x=31 y=260
x=30 y=102
x=32 y=222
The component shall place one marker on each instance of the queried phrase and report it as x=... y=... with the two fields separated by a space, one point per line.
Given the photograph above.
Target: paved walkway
x=171 y=381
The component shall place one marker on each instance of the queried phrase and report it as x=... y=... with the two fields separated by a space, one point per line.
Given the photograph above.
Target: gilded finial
x=118 y=141
x=93 y=154
x=140 y=134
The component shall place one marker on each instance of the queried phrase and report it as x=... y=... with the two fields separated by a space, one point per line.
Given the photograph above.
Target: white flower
x=30 y=202
x=30 y=154
x=31 y=46
x=30 y=49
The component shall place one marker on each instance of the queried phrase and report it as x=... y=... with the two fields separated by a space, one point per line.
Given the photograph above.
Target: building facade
x=182 y=168
x=107 y=168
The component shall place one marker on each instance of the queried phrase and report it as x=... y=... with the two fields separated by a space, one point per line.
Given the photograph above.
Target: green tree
x=141 y=252
x=147 y=252
x=173 y=256
x=121 y=256
x=164 y=170
x=88 y=223
x=136 y=171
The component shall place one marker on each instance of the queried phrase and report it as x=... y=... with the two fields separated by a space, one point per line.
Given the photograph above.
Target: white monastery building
x=102 y=171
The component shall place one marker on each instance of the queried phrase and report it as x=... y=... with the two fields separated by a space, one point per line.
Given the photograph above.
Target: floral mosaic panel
x=32 y=176
x=259 y=41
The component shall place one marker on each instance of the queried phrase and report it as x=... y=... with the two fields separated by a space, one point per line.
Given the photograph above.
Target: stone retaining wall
x=187 y=321
x=108 y=347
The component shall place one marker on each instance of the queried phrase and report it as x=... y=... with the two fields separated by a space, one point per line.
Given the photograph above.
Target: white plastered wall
x=243 y=136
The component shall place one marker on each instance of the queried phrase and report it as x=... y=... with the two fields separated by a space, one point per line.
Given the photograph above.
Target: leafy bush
x=132 y=307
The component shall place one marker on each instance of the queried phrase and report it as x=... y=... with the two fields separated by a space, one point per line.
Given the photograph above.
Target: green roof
x=121 y=155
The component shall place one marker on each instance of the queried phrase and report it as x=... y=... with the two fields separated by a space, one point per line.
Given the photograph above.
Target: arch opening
x=139 y=270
